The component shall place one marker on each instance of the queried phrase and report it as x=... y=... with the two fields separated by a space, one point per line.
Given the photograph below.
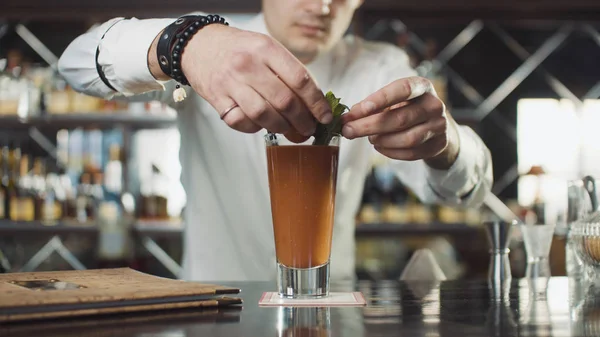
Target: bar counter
x=449 y=308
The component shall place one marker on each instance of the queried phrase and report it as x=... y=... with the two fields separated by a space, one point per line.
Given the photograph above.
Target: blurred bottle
x=154 y=195
x=62 y=148
x=52 y=209
x=39 y=80
x=114 y=247
x=419 y=213
x=66 y=196
x=3 y=172
x=84 y=203
x=38 y=188
x=6 y=178
x=11 y=84
x=92 y=151
x=113 y=220
x=369 y=212
x=451 y=214
x=113 y=174
x=9 y=95
x=82 y=103
x=97 y=190
x=59 y=97
x=21 y=201
x=156 y=108
x=75 y=154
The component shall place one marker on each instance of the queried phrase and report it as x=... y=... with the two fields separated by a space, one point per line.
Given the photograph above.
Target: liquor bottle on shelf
x=114 y=244
x=92 y=151
x=62 y=148
x=6 y=178
x=3 y=171
x=52 y=208
x=113 y=221
x=75 y=151
x=369 y=212
x=397 y=210
x=420 y=213
x=83 y=202
x=11 y=88
x=58 y=97
x=66 y=195
x=154 y=205
x=451 y=214
x=97 y=191
x=90 y=208
x=113 y=174
x=14 y=156
x=21 y=201
x=38 y=188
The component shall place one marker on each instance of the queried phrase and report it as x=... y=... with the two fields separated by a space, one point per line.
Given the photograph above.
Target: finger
x=297 y=78
x=233 y=115
x=283 y=100
x=413 y=137
x=257 y=109
x=346 y=118
x=386 y=122
x=294 y=137
x=396 y=92
x=431 y=148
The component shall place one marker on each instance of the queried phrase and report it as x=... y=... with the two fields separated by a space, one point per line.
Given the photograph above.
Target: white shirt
x=228 y=233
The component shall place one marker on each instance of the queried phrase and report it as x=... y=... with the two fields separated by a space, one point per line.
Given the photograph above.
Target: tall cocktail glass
x=302 y=185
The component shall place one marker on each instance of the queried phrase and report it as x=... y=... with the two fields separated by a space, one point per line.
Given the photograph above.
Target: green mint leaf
x=325 y=132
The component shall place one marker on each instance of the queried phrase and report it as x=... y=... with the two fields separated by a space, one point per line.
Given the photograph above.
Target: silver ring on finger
x=235 y=105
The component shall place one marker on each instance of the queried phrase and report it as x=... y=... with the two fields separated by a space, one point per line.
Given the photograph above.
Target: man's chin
x=307 y=49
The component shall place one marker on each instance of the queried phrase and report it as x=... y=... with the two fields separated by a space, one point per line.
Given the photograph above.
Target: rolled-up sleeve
x=469 y=178
x=465 y=183
x=122 y=46
x=124 y=55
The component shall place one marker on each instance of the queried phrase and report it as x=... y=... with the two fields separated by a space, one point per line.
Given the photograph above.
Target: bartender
x=231 y=82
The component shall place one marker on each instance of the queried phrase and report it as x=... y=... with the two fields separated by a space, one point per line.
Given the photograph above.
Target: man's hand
x=263 y=82
x=406 y=120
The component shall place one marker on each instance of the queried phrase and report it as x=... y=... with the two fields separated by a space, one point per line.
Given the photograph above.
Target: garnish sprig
x=325 y=132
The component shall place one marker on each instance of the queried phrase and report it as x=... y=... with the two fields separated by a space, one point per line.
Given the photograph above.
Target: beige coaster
x=346 y=299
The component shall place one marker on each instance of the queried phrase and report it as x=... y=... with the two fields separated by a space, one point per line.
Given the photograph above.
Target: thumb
x=295 y=137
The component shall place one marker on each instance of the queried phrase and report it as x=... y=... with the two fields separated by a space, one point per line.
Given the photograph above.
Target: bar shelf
x=434 y=228
x=89 y=120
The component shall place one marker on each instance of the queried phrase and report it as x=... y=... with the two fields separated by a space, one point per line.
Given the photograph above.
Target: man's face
x=307 y=27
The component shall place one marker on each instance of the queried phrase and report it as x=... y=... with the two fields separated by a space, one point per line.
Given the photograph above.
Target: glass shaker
x=582 y=201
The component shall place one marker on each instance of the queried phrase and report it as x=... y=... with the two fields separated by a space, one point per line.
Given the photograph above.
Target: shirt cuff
x=462 y=177
x=124 y=55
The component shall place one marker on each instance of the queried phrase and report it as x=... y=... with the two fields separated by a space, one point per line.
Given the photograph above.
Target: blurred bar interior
x=88 y=183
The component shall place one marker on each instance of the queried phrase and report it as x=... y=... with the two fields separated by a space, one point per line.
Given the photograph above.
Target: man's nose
x=320 y=7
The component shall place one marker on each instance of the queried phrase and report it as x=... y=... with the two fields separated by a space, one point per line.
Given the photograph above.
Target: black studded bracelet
x=173 y=40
